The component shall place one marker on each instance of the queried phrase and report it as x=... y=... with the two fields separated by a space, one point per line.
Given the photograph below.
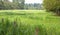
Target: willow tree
x=52 y=5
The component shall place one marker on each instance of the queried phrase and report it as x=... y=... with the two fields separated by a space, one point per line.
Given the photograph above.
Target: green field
x=29 y=22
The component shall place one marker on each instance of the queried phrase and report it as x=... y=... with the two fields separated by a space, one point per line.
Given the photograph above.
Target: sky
x=32 y=1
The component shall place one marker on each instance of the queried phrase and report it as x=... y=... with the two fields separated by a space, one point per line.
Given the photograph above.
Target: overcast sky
x=32 y=1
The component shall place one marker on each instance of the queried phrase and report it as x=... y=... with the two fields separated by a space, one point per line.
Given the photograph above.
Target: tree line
x=18 y=4
x=35 y=6
x=5 y=5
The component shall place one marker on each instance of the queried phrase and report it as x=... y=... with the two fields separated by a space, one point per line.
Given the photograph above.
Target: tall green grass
x=19 y=28
x=25 y=23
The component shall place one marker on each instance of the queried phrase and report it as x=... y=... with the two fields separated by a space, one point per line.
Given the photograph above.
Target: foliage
x=35 y=6
x=11 y=5
x=52 y=5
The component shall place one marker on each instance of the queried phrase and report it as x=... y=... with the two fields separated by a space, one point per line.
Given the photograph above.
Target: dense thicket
x=52 y=5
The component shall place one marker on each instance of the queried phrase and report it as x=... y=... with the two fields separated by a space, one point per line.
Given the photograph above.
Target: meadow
x=29 y=22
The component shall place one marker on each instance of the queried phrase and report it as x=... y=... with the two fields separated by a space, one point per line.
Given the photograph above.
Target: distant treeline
x=5 y=4
x=35 y=6
x=18 y=4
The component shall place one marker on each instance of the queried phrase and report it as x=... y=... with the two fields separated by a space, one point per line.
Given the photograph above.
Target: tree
x=52 y=5
x=16 y=4
x=20 y=3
